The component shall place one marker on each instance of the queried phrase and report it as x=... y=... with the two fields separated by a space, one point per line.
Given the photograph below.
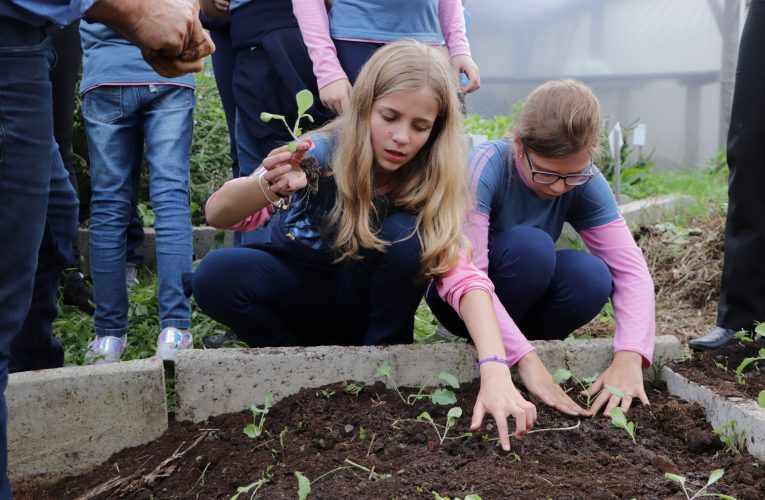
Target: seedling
x=440 y=396
x=619 y=420
x=732 y=438
x=362 y=433
x=713 y=478
x=265 y=478
x=740 y=377
x=761 y=399
x=354 y=388
x=326 y=393
x=563 y=375
x=451 y=418
x=744 y=336
x=304 y=486
x=255 y=429
x=383 y=371
x=304 y=100
x=472 y=496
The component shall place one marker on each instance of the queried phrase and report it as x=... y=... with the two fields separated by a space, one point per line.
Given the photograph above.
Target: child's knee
x=525 y=249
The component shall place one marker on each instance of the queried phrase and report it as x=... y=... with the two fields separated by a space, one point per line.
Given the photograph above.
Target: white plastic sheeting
x=669 y=63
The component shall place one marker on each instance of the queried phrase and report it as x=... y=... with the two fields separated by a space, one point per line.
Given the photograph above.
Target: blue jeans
x=37 y=202
x=549 y=293
x=114 y=117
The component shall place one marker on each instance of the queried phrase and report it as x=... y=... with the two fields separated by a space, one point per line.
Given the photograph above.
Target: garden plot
x=350 y=440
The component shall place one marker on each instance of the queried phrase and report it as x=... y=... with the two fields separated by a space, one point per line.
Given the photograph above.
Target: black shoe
x=713 y=340
x=228 y=339
x=76 y=290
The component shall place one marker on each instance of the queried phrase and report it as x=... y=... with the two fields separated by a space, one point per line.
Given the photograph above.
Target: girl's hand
x=539 y=382
x=625 y=374
x=221 y=4
x=336 y=95
x=283 y=172
x=464 y=64
x=499 y=397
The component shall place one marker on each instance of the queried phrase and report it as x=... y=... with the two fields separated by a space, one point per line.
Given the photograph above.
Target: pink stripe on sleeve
x=452 y=21
x=633 y=296
x=314 y=25
x=465 y=277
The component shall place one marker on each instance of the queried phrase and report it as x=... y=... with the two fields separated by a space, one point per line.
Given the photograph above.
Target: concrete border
x=211 y=383
x=721 y=410
x=69 y=420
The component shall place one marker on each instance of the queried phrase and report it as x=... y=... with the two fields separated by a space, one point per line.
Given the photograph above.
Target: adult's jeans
x=37 y=202
x=114 y=117
x=549 y=293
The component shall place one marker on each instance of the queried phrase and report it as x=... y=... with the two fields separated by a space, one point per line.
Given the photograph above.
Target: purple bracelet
x=492 y=358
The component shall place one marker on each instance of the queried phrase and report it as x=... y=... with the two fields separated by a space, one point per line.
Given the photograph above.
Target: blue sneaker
x=105 y=350
x=171 y=340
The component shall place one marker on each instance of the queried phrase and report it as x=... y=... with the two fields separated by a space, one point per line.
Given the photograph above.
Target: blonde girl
x=348 y=263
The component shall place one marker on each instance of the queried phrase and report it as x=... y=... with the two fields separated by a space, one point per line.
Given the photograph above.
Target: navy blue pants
x=549 y=293
x=353 y=55
x=270 y=299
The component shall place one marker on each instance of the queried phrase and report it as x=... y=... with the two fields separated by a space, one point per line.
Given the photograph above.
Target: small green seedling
x=265 y=478
x=619 y=420
x=744 y=336
x=761 y=399
x=723 y=367
x=326 y=393
x=472 y=496
x=255 y=429
x=304 y=100
x=362 y=433
x=563 y=375
x=732 y=438
x=384 y=372
x=440 y=396
x=354 y=388
x=304 y=486
x=740 y=377
x=451 y=418
x=713 y=478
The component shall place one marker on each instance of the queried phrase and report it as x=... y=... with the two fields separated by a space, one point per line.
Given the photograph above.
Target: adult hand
x=539 y=382
x=499 y=397
x=464 y=64
x=283 y=171
x=336 y=95
x=625 y=374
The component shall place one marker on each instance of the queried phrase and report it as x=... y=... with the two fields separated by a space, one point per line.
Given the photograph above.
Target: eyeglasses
x=551 y=178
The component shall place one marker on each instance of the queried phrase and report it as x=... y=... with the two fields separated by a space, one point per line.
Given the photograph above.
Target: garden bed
x=353 y=441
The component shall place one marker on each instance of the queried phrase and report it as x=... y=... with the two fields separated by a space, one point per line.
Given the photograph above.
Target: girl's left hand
x=283 y=171
x=625 y=374
x=540 y=383
x=464 y=64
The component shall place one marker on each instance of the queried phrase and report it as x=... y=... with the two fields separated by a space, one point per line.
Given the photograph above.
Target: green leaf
x=674 y=477
x=304 y=486
x=473 y=496
x=561 y=375
x=715 y=476
x=268 y=400
x=251 y=431
x=449 y=379
x=615 y=391
x=443 y=397
x=266 y=117
x=592 y=378
x=424 y=417
x=292 y=146
x=760 y=329
x=720 y=495
x=362 y=433
x=618 y=418
x=304 y=101
x=383 y=370
x=761 y=399
x=455 y=413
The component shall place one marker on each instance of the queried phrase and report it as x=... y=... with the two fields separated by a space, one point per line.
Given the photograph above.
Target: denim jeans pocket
x=174 y=97
x=103 y=104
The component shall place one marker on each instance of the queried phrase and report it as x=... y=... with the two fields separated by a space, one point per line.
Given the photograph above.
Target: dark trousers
x=549 y=293
x=270 y=299
x=38 y=204
x=742 y=297
x=353 y=55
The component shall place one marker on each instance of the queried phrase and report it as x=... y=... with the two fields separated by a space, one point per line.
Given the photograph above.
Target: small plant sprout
x=451 y=419
x=564 y=375
x=384 y=372
x=326 y=393
x=304 y=100
x=472 y=496
x=732 y=438
x=713 y=478
x=619 y=420
x=265 y=478
x=255 y=429
x=354 y=388
x=440 y=396
x=304 y=486
x=740 y=377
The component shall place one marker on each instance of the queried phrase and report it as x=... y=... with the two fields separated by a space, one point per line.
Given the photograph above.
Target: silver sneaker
x=105 y=350
x=171 y=340
x=131 y=275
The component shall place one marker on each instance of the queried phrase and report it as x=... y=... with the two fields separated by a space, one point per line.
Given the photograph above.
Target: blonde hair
x=560 y=118
x=432 y=186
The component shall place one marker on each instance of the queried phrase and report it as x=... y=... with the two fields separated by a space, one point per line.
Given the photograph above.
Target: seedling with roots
x=619 y=420
x=451 y=419
x=563 y=375
x=304 y=100
x=732 y=438
x=713 y=478
x=740 y=377
x=255 y=429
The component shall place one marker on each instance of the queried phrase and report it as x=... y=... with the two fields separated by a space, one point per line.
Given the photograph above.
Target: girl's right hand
x=539 y=382
x=283 y=171
x=499 y=397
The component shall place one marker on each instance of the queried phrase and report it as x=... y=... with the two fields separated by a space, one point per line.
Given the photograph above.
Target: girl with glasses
x=524 y=189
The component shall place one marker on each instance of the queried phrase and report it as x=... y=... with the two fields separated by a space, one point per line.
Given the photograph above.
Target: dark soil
x=312 y=173
x=717 y=369
x=319 y=432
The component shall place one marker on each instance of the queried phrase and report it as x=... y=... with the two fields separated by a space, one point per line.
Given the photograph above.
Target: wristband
x=495 y=359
